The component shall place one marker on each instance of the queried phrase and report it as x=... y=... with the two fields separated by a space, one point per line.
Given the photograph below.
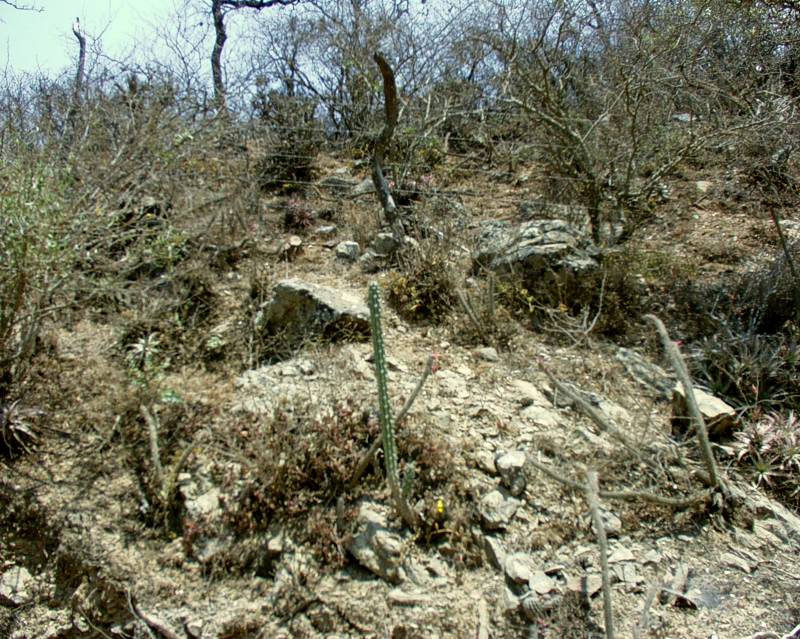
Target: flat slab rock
x=300 y=309
x=720 y=418
x=536 y=247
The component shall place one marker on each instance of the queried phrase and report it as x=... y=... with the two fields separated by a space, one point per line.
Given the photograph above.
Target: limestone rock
x=528 y=393
x=540 y=250
x=511 y=466
x=519 y=567
x=497 y=508
x=487 y=354
x=720 y=418
x=299 y=310
x=347 y=251
x=541 y=416
x=375 y=546
x=15 y=584
x=495 y=552
x=363 y=187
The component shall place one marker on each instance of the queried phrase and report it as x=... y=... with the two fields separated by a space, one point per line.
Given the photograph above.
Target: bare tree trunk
x=73 y=115
x=220 y=36
x=76 y=30
x=385 y=137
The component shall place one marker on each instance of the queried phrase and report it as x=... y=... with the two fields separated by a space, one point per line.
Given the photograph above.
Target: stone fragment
x=588 y=585
x=363 y=187
x=734 y=561
x=540 y=583
x=528 y=393
x=620 y=554
x=720 y=418
x=495 y=551
x=487 y=354
x=385 y=244
x=326 y=231
x=375 y=546
x=511 y=467
x=519 y=567
x=400 y=597
x=347 y=251
x=497 y=509
x=15 y=586
x=541 y=416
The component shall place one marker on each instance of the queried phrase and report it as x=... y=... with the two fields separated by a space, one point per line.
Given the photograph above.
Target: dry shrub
x=423 y=288
x=292 y=138
x=299 y=460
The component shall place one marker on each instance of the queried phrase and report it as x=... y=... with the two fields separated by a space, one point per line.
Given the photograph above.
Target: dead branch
x=691 y=401
x=635 y=495
x=596 y=416
x=592 y=491
x=385 y=137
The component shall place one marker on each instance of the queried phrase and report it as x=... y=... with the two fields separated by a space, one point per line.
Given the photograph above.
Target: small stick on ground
x=644 y=620
x=595 y=415
x=366 y=460
x=152 y=625
x=633 y=495
x=592 y=491
x=155 y=456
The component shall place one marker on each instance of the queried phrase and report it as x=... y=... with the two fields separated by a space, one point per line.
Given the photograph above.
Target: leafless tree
x=219 y=9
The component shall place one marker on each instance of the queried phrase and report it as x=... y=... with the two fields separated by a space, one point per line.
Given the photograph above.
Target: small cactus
x=385 y=410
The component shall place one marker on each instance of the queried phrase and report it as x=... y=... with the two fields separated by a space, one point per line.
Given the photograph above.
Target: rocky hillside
x=189 y=457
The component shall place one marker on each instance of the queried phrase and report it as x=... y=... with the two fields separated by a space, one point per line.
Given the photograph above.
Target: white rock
x=15 y=586
x=541 y=416
x=529 y=394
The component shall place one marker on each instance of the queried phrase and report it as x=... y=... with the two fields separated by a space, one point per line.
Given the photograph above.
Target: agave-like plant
x=15 y=432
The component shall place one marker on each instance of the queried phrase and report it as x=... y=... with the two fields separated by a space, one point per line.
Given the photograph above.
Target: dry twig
x=592 y=491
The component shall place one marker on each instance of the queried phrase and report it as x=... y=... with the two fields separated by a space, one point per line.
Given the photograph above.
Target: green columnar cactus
x=385 y=409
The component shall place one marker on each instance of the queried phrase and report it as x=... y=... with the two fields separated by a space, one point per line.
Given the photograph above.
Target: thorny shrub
x=297 y=461
x=293 y=138
x=423 y=287
x=34 y=255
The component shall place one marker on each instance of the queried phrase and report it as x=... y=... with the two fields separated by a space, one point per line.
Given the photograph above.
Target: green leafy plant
x=749 y=370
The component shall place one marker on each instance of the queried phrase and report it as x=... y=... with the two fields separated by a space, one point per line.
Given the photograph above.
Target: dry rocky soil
x=195 y=482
